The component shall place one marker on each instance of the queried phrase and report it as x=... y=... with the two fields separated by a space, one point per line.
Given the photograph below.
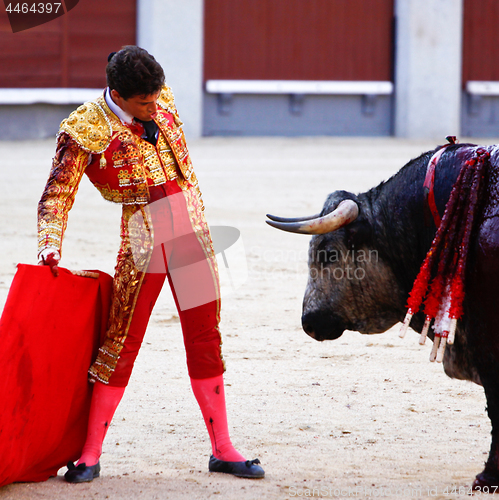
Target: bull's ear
x=358 y=233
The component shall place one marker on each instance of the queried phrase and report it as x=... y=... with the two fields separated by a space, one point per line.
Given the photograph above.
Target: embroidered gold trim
x=68 y=166
x=159 y=161
x=89 y=126
x=129 y=275
x=166 y=100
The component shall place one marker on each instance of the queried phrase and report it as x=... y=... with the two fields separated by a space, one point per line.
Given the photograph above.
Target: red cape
x=50 y=331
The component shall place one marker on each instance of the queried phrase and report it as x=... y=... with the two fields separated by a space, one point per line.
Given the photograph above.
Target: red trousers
x=183 y=253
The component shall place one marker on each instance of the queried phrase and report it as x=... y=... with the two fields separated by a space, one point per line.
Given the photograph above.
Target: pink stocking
x=105 y=400
x=210 y=395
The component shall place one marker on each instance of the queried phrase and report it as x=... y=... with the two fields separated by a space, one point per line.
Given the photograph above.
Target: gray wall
x=479 y=115
x=256 y=114
x=428 y=68
x=32 y=121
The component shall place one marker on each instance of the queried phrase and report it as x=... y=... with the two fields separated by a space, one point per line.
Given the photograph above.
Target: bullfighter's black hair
x=132 y=71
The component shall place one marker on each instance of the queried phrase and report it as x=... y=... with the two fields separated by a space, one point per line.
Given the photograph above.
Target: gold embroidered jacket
x=119 y=163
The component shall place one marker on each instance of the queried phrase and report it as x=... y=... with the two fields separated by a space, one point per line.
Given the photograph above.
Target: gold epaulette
x=166 y=99
x=89 y=127
x=167 y=102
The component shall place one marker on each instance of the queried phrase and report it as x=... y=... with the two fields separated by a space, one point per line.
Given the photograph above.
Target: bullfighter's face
x=143 y=107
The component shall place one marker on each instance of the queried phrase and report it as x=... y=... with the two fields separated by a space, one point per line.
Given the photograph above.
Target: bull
x=366 y=252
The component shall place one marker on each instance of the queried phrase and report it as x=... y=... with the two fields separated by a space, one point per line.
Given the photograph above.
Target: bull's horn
x=347 y=211
x=292 y=219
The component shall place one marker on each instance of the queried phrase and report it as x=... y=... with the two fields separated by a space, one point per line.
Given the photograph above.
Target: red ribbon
x=429 y=181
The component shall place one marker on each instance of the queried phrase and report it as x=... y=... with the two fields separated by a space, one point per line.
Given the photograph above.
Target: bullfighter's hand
x=50 y=257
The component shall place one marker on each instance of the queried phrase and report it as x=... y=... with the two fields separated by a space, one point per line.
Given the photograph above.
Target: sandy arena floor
x=359 y=417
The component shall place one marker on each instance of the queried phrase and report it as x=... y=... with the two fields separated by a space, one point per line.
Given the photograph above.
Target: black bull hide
x=393 y=233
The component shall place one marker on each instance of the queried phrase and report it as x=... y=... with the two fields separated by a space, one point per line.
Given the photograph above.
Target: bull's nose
x=322 y=325
x=308 y=329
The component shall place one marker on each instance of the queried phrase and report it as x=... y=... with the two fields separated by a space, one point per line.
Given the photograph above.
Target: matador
x=130 y=144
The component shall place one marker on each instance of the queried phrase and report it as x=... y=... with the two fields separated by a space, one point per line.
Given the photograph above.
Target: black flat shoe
x=82 y=473
x=249 y=469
